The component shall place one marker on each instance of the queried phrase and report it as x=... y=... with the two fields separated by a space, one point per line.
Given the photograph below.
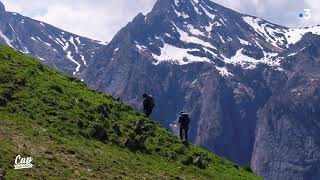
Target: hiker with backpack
x=148 y=104
x=184 y=122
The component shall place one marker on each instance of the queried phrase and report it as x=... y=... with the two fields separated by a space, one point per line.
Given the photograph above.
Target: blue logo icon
x=301 y=15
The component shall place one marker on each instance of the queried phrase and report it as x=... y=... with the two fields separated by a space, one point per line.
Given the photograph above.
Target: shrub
x=181 y=150
x=188 y=161
x=248 y=168
x=3 y=101
x=99 y=132
x=41 y=67
x=56 y=88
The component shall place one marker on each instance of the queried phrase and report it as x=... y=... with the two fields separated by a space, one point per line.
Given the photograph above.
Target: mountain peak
x=188 y=6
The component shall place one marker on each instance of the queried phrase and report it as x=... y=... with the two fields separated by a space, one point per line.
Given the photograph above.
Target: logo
x=23 y=163
x=306 y=14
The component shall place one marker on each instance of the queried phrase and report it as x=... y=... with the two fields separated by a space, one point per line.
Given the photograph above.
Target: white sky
x=102 y=19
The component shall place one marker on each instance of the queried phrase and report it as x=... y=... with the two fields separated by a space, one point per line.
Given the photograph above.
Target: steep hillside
x=73 y=132
x=57 y=48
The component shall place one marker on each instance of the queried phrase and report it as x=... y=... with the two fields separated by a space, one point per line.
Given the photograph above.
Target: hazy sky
x=101 y=19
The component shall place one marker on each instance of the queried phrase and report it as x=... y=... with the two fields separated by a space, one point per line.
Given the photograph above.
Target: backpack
x=149 y=102
x=184 y=120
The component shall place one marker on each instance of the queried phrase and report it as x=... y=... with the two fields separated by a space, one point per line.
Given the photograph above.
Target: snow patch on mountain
x=74 y=61
x=70 y=57
x=250 y=63
x=194 y=2
x=140 y=47
x=184 y=36
x=83 y=60
x=295 y=35
x=211 y=26
x=25 y=50
x=276 y=36
x=194 y=31
x=244 y=42
x=265 y=30
x=73 y=43
x=176 y=2
x=210 y=15
x=42 y=59
x=7 y=40
x=223 y=71
x=48 y=44
x=177 y=55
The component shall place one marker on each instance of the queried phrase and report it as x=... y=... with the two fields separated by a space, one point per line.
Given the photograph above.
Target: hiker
x=184 y=121
x=148 y=104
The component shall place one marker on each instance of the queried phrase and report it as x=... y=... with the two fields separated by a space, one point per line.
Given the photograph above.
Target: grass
x=72 y=132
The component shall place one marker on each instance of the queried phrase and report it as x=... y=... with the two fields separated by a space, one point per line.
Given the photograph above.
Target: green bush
x=248 y=168
x=3 y=101
x=56 y=88
x=188 y=160
x=99 y=132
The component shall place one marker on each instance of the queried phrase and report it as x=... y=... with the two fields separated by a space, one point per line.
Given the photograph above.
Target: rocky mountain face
x=57 y=48
x=233 y=73
x=287 y=142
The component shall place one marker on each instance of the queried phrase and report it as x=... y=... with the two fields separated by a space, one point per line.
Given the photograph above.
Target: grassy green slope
x=73 y=132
